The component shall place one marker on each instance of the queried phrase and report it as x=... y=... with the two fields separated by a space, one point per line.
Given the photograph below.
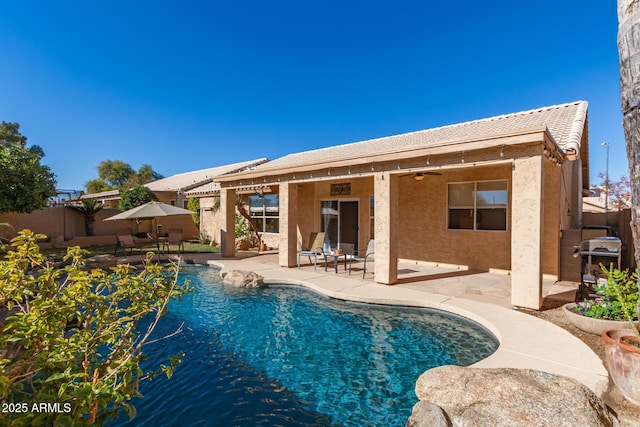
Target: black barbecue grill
x=593 y=252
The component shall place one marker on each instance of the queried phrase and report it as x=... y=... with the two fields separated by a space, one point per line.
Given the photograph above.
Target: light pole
x=606 y=185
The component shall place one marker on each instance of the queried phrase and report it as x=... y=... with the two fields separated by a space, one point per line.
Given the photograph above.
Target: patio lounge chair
x=368 y=256
x=174 y=238
x=314 y=248
x=125 y=241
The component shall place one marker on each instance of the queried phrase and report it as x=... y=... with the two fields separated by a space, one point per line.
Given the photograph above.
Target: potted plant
x=616 y=298
x=622 y=346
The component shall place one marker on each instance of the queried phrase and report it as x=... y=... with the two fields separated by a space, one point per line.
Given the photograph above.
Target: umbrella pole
x=155 y=219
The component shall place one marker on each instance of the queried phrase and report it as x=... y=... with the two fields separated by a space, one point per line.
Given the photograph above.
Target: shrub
x=71 y=337
x=617 y=298
x=194 y=205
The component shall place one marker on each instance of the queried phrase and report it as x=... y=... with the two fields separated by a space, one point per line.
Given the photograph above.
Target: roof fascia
x=539 y=134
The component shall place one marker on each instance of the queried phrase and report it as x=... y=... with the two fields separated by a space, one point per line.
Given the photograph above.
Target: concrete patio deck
x=526 y=342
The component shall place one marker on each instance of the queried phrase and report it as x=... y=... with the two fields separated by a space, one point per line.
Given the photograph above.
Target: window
x=478 y=205
x=265 y=212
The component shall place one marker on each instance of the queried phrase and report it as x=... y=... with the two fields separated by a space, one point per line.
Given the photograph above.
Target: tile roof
x=565 y=123
x=188 y=180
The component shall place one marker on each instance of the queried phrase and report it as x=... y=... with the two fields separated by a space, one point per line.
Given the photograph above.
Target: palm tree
x=89 y=207
x=629 y=51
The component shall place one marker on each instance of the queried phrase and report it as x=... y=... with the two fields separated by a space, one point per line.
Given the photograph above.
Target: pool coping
x=526 y=342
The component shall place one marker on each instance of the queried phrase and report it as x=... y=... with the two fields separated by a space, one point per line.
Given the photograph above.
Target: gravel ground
x=628 y=413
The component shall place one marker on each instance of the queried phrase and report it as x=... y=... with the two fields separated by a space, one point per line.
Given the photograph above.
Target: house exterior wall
x=361 y=191
x=551 y=219
x=423 y=233
x=423 y=222
x=209 y=218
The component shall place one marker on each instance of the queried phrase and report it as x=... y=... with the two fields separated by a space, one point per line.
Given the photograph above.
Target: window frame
x=261 y=217
x=475 y=206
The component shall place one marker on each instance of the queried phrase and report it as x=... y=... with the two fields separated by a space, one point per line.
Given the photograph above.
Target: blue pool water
x=287 y=356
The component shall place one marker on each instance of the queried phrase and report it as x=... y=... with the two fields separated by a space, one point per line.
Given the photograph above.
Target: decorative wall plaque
x=342 y=189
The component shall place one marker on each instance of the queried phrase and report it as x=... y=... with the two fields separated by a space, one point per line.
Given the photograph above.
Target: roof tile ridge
x=248 y=162
x=582 y=105
x=574 y=138
x=515 y=114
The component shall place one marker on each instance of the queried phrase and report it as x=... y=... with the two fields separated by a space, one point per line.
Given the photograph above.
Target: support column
x=385 y=193
x=288 y=239
x=227 y=222
x=527 y=218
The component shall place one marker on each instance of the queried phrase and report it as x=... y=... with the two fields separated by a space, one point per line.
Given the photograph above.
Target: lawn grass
x=189 y=248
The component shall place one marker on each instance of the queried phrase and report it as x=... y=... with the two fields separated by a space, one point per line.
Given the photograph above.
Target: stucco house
x=492 y=194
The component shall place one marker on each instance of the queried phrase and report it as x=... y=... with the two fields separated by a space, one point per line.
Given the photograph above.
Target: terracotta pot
x=263 y=247
x=624 y=362
x=591 y=324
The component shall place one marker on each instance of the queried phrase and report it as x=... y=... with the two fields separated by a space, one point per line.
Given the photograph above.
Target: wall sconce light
x=462 y=157
x=418 y=176
x=502 y=151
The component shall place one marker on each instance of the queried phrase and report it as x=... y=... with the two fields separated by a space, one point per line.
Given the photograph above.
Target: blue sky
x=195 y=84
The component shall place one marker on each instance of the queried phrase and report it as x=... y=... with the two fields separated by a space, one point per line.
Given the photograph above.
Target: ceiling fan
x=419 y=176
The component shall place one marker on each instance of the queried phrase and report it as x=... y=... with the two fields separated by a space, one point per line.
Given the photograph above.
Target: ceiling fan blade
x=420 y=174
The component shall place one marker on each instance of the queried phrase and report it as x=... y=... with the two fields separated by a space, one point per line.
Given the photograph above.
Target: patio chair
x=125 y=241
x=313 y=249
x=174 y=238
x=368 y=256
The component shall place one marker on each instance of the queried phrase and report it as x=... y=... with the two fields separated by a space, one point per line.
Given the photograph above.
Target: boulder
x=243 y=279
x=506 y=397
x=243 y=243
x=426 y=414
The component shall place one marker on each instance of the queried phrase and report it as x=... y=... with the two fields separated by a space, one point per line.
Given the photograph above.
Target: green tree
x=10 y=134
x=194 y=205
x=96 y=186
x=135 y=196
x=116 y=174
x=146 y=174
x=25 y=183
x=73 y=337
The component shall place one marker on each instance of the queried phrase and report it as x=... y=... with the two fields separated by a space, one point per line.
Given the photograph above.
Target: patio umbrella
x=150 y=210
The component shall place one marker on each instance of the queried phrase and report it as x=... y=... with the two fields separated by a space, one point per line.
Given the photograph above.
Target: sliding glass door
x=339 y=220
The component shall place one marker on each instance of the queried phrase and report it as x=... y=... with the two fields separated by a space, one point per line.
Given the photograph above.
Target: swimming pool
x=285 y=355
